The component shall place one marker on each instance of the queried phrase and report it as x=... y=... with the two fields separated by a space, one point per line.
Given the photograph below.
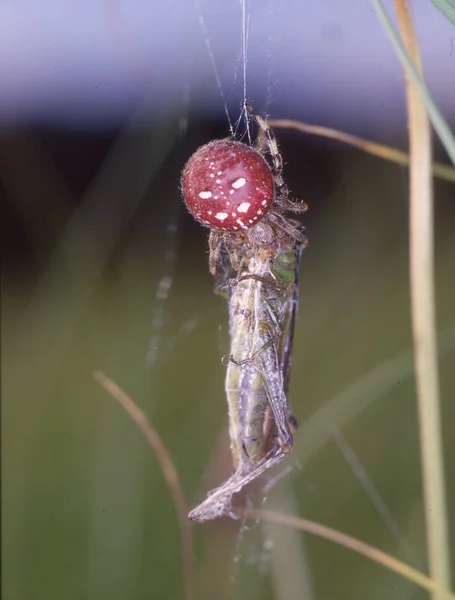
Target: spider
x=231 y=188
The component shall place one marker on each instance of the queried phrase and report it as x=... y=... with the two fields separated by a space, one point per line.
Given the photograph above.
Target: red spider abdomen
x=227 y=185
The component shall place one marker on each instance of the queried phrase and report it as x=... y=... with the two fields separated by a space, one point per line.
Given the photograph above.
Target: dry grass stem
x=169 y=472
x=440 y=170
x=353 y=544
x=421 y=231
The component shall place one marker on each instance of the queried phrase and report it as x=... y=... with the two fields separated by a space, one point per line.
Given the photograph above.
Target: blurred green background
x=90 y=227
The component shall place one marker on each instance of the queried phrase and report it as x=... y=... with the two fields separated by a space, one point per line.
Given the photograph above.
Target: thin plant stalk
x=170 y=475
x=439 y=123
x=440 y=170
x=421 y=232
x=353 y=544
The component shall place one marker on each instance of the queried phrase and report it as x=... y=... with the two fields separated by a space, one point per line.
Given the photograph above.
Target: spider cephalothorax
x=230 y=187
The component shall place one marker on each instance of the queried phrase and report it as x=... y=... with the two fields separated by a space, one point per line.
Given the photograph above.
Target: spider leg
x=295 y=207
x=232 y=247
x=272 y=146
x=291 y=228
x=215 y=240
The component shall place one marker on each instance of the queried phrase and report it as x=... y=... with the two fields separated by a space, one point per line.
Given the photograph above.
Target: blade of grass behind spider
x=447 y=8
x=315 y=431
x=53 y=200
x=440 y=170
x=169 y=472
x=438 y=121
x=423 y=315
x=89 y=238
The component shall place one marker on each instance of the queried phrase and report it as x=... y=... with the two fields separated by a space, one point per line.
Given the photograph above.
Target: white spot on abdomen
x=243 y=208
x=239 y=183
x=221 y=216
x=205 y=195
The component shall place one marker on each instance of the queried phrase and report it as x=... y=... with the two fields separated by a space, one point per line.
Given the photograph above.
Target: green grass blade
x=437 y=120
x=447 y=7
